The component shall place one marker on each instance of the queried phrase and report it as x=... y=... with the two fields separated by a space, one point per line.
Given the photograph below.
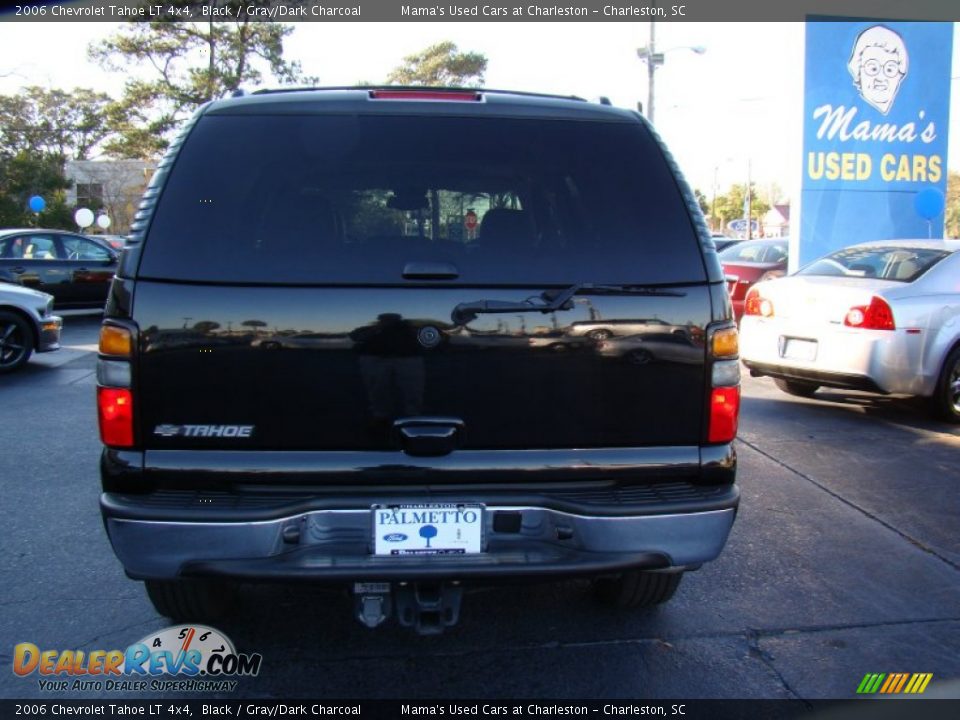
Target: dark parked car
x=751 y=261
x=420 y=457
x=75 y=269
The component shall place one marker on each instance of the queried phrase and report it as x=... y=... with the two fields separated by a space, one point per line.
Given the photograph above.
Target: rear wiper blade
x=549 y=300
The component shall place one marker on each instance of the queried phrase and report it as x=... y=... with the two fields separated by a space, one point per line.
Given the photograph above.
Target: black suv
x=339 y=348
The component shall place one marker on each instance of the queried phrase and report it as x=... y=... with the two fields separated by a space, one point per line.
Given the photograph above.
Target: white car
x=26 y=325
x=881 y=316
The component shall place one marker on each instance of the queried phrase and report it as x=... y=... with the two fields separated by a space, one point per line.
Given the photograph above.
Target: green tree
x=441 y=65
x=57 y=123
x=731 y=205
x=40 y=130
x=187 y=64
x=952 y=219
x=25 y=174
x=702 y=202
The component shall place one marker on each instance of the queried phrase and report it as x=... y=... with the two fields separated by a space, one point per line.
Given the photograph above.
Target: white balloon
x=103 y=221
x=83 y=217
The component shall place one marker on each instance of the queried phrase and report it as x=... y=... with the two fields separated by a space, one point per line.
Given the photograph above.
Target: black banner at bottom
x=872 y=709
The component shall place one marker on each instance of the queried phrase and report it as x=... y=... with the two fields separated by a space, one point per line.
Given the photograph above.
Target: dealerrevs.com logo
x=191 y=658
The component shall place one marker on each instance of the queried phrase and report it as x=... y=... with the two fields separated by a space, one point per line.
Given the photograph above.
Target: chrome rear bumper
x=335 y=545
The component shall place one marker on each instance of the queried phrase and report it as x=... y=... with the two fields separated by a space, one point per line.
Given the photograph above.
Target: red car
x=750 y=262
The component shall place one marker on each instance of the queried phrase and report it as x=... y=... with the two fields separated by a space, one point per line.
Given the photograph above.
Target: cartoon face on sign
x=878 y=65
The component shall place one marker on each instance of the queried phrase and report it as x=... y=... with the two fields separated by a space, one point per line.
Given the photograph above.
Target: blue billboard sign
x=876 y=111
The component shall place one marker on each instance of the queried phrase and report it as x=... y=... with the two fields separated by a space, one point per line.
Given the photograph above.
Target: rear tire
x=16 y=342
x=796 y=387
x=637 y=588
x=191 y=599
x=945 y=402
x=639 y=357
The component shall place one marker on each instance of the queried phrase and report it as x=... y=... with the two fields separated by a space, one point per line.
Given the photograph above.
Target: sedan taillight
x=875 y=316
x=754 y=304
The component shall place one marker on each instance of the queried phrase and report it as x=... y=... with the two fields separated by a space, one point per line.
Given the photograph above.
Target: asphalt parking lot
x=845 y=559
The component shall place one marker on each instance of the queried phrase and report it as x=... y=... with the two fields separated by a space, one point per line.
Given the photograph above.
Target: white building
x=111 y=186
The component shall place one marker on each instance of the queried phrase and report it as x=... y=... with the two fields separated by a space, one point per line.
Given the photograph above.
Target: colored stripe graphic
x=894 y=683
x=891 y=683
x=918 y=683
x=871 y=683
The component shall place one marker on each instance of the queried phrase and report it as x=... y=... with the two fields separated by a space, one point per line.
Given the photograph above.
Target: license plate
x=428 y=529
x=796 y=349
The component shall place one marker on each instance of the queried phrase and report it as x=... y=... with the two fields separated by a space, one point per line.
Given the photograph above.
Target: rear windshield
x=886 y=263
x=763 y=251
x=333 y=199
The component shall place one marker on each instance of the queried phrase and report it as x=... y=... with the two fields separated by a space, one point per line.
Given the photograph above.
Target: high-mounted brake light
x=753 y=304
x=875 y=316
x=115 y=413
x=447 y=95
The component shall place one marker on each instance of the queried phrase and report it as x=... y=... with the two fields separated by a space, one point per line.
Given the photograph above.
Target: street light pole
x=652 y=69
x=654 y=60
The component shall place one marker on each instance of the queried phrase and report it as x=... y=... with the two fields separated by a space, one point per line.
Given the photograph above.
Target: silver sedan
x=27 y=324
x=881 y=316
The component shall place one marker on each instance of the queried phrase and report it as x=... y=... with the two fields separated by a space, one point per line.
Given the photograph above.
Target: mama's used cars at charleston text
x=413 y=445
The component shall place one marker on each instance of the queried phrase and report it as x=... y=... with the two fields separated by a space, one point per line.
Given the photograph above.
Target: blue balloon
x=37 y=203
x=929 y=203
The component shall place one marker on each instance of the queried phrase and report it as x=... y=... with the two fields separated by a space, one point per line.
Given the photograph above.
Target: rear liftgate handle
x=428 y=436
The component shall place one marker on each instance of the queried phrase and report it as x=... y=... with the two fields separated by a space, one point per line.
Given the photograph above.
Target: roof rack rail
x=239 y=92
x=416 y=88
x=604 y=100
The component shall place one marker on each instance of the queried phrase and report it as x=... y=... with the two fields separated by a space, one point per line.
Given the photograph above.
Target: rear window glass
x=305 y=199
x=758 y=252
x=885 y=263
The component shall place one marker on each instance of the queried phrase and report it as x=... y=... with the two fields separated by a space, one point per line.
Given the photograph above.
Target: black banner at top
x=472 y=10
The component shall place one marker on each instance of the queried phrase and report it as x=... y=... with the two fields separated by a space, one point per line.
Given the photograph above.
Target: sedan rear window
x=347 y=198
x=763 y=251
x=885 y=263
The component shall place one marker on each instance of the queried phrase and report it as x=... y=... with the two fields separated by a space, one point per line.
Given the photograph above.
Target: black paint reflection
x=391 y=365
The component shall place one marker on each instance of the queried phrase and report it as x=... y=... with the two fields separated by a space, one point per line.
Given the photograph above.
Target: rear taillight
x=875 y=316
x=115 y=412
x=724 y=402
x=754 y=304
x=114 y=386
x=724 y=412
